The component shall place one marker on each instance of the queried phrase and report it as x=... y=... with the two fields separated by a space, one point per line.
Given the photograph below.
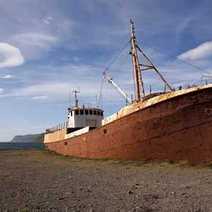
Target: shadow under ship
x=173 y=125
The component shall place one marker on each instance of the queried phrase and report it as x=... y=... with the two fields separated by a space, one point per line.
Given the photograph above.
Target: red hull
x=179 y=128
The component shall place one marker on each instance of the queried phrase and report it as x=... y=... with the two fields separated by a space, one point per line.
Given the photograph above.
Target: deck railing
x=57 y=127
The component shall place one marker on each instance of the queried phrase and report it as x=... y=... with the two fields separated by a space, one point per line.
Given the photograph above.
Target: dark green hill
x=33 y=138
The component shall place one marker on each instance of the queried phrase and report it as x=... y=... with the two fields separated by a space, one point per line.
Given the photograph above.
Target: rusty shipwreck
x=171 y=125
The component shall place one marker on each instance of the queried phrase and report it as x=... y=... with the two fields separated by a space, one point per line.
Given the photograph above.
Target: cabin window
x=94 y=112
x=77 y=112
x=86 y=112
x=91 y=112
x=101 y=113
x=81 y=112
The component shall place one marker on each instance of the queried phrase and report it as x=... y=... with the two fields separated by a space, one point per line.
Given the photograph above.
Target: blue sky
x=50 y=47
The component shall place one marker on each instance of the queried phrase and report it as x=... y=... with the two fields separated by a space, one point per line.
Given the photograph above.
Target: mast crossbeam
x=139 y=67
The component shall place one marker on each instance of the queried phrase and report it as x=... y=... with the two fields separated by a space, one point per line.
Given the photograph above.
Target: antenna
x=69 y=96
x=75 y=91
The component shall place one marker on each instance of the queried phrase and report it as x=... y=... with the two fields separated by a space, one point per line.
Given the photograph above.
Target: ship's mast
x=139 y=67
x=139 y=88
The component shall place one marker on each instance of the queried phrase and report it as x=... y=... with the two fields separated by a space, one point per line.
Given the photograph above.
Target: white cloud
x=60 y=91
x=10 y=56
x=48 y=89
x=47 y=20
x=34 y=44
x=7 y=76
x=200 y=52
x=36 y=39
x=39 y=97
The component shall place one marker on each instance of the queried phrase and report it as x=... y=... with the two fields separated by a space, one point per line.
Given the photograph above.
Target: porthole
x=105 y=131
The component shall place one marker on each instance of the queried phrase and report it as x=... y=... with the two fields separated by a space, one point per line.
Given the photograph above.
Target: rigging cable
x=117 y=56
x=190 y=64
x=99 y=97
x=152 y=66
x=205 y=75
x=113 y=60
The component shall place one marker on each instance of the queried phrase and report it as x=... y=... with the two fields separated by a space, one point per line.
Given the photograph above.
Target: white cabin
x=79 y=118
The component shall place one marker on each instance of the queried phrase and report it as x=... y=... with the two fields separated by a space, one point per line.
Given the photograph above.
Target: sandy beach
x=37 y=180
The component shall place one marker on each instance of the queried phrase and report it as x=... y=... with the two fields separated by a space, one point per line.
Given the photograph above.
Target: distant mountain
x=33 y=138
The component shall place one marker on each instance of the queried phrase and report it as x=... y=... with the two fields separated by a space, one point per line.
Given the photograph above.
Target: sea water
x=17 y=146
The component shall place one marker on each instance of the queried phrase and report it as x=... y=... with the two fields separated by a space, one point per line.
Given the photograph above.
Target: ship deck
x=150 y=102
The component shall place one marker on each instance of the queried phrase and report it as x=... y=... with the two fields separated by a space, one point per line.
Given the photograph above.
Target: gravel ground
x=32 y=180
